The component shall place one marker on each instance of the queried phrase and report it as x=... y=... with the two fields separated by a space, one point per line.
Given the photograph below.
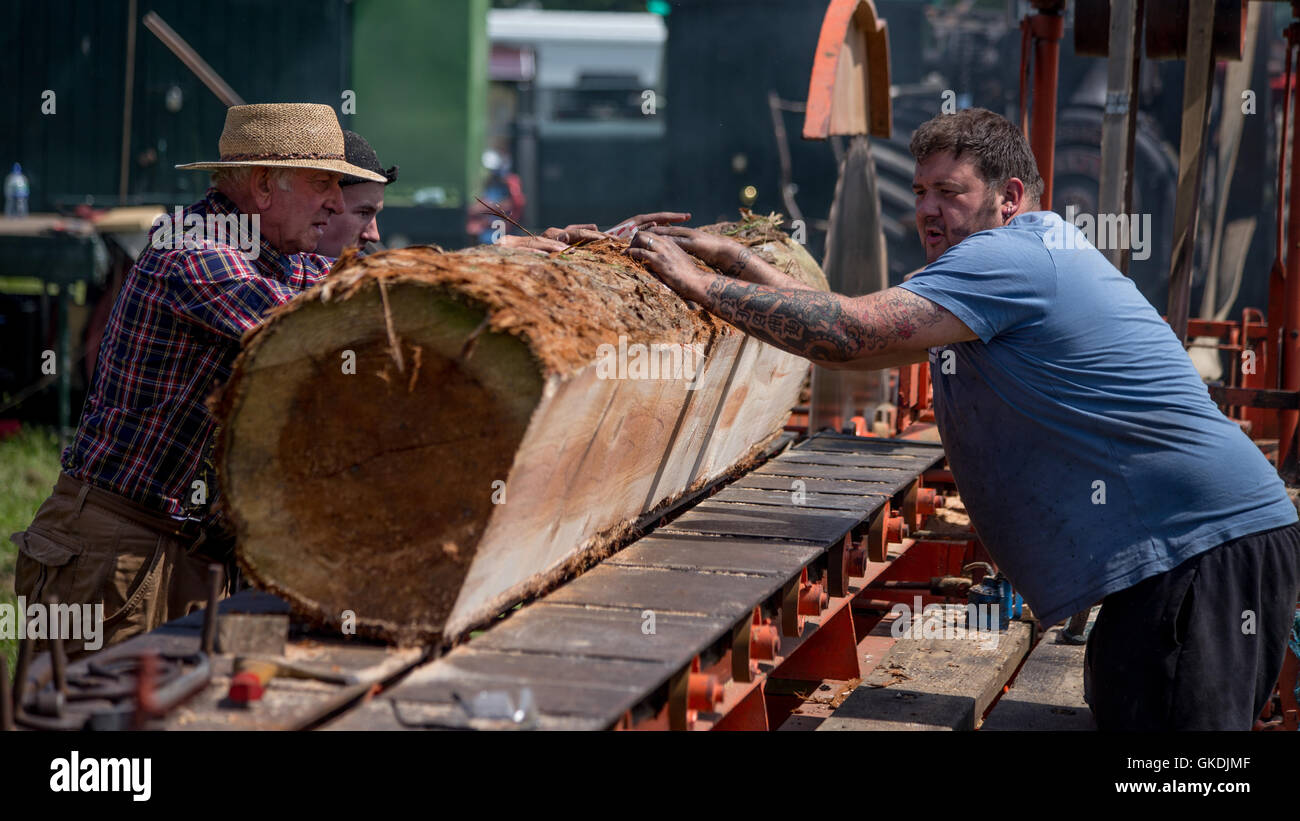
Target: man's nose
x=371 y=232
x=928 y=206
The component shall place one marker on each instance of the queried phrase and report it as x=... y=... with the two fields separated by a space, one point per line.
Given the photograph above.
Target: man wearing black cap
x=362 y=201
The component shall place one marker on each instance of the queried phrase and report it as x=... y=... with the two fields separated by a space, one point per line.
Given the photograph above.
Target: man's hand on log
x=728 y=257
x=630 y=226
x=664 y=258
x=722 y=253
x=552 y=239
x=557 y=239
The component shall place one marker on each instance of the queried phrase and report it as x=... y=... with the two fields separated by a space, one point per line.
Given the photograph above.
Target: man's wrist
x=734 y=264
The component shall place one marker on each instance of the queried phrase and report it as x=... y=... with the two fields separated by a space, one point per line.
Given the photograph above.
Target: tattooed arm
x=880 y=330
x=751 y=267
x=891 y=327
x=728 y=256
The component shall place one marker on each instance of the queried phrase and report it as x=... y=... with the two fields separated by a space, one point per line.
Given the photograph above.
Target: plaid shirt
x=170 y=341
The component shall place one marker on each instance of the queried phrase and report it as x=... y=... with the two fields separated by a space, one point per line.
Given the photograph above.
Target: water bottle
x=16 y=193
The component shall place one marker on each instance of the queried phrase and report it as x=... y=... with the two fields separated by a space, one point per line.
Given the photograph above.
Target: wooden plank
x=683 y=551
x=933 y=684
x=1255 y=397
x=850 y=69
x=724 y=519
x=1198 y=82
x=821 y=86
x=1047 y=693
x=801 y=498
x=849 y=94
x=1225 y=265
x=1119 y=121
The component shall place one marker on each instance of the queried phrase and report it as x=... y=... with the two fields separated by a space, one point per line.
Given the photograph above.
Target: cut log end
x=381 y=432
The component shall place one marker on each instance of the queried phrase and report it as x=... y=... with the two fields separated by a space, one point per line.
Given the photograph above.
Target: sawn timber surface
x=933 y=684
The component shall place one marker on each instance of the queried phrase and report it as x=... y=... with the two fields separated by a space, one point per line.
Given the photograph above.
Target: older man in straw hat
x=130 y=528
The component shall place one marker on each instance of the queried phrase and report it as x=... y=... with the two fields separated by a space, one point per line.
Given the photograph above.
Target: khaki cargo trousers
x=86 y=546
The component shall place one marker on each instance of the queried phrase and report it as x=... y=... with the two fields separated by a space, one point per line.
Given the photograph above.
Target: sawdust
x=952 y=518
x=752 y=229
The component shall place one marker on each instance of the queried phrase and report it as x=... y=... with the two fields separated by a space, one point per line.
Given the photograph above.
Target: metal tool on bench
x=116 y=694
x=955 y=586
x=995 y=589
x=510 y=709
x=119 y=693
x=253 y=675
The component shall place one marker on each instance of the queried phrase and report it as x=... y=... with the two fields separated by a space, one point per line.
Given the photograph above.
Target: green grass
x=29 y=464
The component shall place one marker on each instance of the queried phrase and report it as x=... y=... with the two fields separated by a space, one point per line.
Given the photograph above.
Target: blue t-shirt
x=1083 y=442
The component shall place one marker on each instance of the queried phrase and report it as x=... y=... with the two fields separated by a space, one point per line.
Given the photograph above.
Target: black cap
x=359 y=153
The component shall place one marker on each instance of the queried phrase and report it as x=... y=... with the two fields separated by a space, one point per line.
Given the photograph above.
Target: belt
x=128 y=508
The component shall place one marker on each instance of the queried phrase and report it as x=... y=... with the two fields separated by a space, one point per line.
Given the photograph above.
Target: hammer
x=253 y=674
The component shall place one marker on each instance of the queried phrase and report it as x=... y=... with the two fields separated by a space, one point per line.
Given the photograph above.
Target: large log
x=484 y=446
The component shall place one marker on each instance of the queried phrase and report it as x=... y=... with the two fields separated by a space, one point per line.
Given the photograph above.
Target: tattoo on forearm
x=816 y=324
x=737 y=267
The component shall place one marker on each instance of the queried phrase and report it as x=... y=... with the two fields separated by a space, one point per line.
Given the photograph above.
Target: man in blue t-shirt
x=1084 y=444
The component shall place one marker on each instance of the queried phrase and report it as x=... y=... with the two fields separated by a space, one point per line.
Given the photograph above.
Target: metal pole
x=65 y=368
x=124 y=167
x=1291 y=298
x=192 y=60
x=1047 y=27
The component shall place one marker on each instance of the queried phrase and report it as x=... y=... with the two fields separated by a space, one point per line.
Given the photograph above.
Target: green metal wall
x=419 y=69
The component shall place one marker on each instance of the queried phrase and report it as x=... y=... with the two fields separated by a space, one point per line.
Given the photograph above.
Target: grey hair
x=225 y=179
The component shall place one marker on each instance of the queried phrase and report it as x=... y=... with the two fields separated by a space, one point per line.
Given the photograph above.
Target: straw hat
x=289 y=135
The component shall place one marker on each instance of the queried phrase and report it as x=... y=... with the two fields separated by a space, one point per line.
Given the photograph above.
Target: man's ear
x=260 y=187
x=1013 y=196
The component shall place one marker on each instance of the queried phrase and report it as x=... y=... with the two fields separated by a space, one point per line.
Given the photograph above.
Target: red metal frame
x=1042 y=32
x=835 y=645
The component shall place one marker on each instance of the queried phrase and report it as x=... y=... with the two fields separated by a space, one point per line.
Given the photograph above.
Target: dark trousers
x=1200 y=646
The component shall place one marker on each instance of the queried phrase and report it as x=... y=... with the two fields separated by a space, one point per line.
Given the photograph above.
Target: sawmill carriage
x=473 y=528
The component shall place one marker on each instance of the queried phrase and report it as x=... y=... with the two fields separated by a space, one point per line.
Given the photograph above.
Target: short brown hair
x=1001 y=151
